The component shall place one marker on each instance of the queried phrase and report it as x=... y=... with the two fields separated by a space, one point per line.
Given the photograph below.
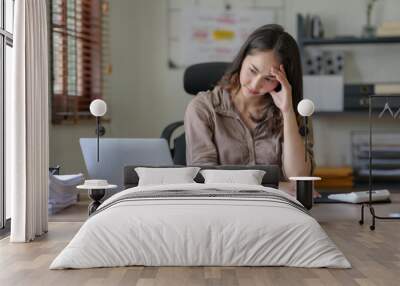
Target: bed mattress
x=201 y=225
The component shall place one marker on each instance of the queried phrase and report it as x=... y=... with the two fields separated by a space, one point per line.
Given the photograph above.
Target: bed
x=201 y=224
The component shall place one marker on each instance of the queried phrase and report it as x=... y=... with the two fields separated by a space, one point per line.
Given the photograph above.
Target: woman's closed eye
x=267 y=79
x=253 y=71
x=270 y=79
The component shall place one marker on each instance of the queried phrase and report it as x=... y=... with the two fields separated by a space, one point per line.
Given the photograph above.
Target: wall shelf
x=348 y=41
x=304 y=39
x=356 y=112
x=334 y=113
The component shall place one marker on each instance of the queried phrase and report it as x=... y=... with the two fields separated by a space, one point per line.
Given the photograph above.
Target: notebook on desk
x=115 y=153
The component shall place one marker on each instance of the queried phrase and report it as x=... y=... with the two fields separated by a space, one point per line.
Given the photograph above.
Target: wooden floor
x=374 y=255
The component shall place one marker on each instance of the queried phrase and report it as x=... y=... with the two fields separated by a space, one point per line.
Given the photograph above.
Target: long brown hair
x=270 y=37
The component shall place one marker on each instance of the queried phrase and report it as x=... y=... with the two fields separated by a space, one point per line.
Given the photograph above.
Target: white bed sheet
x=200 y=231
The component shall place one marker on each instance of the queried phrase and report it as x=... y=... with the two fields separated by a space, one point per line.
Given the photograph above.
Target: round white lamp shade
x=305 y=107
x=98 y=107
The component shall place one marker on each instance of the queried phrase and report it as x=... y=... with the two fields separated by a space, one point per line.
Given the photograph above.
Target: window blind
x=79 y=56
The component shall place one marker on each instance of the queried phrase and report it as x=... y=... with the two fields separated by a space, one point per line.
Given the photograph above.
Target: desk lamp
x=98 y=108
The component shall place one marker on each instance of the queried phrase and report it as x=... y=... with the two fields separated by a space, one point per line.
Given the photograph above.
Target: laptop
x=116 y=153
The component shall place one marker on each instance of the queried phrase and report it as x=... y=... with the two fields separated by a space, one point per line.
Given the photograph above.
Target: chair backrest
x=198 y=77
x=204 y=76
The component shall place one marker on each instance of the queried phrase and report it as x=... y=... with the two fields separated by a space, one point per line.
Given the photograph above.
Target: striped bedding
x=201 y=225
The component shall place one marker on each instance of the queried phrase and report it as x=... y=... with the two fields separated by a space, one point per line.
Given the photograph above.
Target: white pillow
x=162 y=176
x=248 y=177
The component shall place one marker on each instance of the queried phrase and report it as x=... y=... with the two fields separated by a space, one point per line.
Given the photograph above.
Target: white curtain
x=27 y=143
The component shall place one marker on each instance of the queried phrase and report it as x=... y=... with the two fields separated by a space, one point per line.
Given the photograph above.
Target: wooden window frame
x=6 y=39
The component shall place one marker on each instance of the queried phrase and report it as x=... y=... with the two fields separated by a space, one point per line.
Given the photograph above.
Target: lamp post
x=305 y=185
x=305 y=109
x=98 y=108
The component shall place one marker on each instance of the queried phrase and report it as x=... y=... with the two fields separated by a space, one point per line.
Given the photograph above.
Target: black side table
x=304 y=190
x=96 y=191
x=96 y=195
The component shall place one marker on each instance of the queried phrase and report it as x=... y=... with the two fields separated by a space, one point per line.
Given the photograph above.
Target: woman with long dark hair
x=250 y=117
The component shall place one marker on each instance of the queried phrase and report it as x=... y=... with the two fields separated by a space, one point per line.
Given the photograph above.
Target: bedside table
x=96 y=190
x=304 y=190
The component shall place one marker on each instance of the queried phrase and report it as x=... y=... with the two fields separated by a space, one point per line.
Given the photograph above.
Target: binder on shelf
x=387 y=88
x=389 y=29
x=356 y=96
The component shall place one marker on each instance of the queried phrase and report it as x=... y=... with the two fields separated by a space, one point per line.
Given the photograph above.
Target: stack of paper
x=62 y=191
x=334 y=177
x=362 y=197
x=385 y=157
x=385 y=163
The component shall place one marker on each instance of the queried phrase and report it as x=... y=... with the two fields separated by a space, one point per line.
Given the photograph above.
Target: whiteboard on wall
x=203 y=32
x=217 y=35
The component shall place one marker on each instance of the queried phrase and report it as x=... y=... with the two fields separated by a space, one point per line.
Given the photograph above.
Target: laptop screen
x=116 y=153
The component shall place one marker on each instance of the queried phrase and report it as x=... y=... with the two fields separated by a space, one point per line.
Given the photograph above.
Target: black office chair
x=198 y=77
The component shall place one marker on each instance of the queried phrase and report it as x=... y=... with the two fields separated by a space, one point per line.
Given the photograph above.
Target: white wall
x=145 y=95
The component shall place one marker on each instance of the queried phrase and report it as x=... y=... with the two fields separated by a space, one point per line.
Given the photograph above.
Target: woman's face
x=255 y=75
